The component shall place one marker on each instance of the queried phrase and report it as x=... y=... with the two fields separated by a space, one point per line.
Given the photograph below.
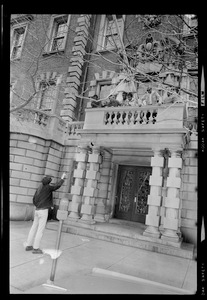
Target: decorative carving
x=150 y=50
x=126 y=191
x=143 y=192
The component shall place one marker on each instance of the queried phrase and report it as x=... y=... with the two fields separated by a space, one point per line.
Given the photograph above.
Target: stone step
x=124 y=234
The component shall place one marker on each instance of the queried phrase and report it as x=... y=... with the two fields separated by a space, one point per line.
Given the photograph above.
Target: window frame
x=41 y=95
x=102 y=34
x=13 y=40
x=51 y=34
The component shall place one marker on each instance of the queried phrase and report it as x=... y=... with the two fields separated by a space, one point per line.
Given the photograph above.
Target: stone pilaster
x=103 y=188
x=172 y=204
x=91 y=189
x=77 y=188
x=76 y=67
x=155 y=197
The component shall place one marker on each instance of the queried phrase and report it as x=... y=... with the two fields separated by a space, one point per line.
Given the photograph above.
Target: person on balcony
x=124 y=101
x=170 y=98
x=113 y=102
x=133 y=100
x=151 y=97
x=95 y=103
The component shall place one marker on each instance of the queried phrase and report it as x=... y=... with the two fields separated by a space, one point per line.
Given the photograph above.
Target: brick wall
x=35 y=39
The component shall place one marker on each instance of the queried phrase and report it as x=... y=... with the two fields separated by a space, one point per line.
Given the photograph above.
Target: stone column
x=154 y=199
x=77 y=188
x=103 y=184
x=172 y=201
x=90 y=190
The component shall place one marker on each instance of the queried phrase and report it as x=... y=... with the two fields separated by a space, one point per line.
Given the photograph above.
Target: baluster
x=110 y=118
x=69 y=129
x=147 y=119
x=106 y=116
x=154 y=116
x=123 y=117
x=118 y=118
x=115 y=117
x=132 y=117
x=126 y=119
x=136 y=117
x=141 y=115
x=73 y=129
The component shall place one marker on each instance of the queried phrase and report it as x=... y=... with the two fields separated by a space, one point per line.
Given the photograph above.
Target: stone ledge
x=108 y=232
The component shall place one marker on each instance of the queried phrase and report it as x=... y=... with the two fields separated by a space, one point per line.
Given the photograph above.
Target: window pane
x=48 y=96
x=112 y=38
x=59 y=33
x=16 y=52
x=105 y=91
x=57 y=44
x=112 y=41
x=62 y=29
x=18 y=38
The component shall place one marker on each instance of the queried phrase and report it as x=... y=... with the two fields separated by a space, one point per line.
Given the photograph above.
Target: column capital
x=83 y=148
x=175 y=152
x=96 y=149
x=157 y=151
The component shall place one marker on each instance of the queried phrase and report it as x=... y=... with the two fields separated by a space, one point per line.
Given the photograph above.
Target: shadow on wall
x=189 y=235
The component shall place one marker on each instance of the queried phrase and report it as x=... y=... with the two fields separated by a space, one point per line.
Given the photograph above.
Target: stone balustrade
x=73 y=127
x=125 y=117
x=39 y=123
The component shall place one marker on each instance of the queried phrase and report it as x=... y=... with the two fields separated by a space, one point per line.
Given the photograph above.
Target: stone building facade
x=119 y=164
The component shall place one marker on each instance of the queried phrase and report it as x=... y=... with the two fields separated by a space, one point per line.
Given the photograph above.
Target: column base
x=152 y=231
x=99 y=218
x=87 y=219
x=73 y=215
x=171 y=236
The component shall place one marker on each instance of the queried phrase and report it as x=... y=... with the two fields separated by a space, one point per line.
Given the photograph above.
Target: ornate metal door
x=132 y=192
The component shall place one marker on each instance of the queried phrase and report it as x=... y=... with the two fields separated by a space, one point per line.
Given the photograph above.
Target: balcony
x=38 y=123
x=123 y=126
x=140 y=118
x=128 y=127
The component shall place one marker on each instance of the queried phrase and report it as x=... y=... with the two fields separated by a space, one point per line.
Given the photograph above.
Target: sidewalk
x=91 y=266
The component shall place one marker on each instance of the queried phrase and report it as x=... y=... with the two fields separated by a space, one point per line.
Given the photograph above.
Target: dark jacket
x=43 y=197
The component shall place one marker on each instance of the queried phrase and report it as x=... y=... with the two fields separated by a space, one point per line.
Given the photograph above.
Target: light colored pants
x=37 y=229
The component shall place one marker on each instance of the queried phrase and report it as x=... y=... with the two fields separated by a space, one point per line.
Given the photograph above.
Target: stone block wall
x=29 y=162
x=67 y=166
x=188 y=194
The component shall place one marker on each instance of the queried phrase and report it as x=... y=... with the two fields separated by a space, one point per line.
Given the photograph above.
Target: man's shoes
x=28 y=248
x=37 y=251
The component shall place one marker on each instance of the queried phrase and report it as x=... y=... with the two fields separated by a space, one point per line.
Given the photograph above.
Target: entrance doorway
x=132 y=192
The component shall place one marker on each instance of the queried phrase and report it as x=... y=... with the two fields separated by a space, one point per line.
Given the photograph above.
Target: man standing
x=43 y=200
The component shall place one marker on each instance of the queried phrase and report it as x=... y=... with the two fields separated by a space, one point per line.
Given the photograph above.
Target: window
x=108 y=34
x=57 y=33
x=12 y=86
x=190 y=24
x=18 y=36
x=105 y=90
x=47 y=96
